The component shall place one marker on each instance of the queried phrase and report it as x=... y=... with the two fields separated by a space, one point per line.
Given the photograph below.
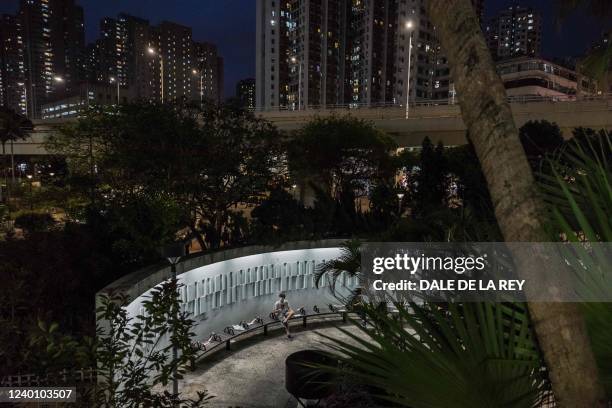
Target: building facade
x=245 y=93
x=155 y=62
x=313 y=53
x=120 y=54
x=207 y=73
x=53 y=49
x=515 y=32
x=43 y=54
x=87 y=94
x=13 y=90
x=526 y=77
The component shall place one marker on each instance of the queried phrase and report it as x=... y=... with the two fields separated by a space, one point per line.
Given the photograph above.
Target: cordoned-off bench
x=233 y=332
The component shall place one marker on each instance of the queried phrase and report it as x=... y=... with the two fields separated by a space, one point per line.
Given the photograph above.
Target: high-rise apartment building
x=207 y=72
x=245 y=93
x=273 y=60
x=353 y=52
x=371 y=51
x=121 y=54
x=155 y=62
x=13 y=91
x=515 y=32
x=429 y=70
x=53 y=49
x=172 y=60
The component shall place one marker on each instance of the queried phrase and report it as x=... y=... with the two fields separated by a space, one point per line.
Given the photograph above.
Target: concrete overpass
x=439 y=122
x=444 y=122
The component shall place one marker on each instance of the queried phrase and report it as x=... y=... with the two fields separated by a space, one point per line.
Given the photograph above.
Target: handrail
x=64 y=376
x=435 y=102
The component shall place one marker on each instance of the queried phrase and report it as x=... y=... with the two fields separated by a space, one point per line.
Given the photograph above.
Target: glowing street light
x=195 y=72
x=400 y=196
x=409 y=26
x=29 y=176
x=152 y=52
x=296 y=61
x=58 y=79
x=113 y=80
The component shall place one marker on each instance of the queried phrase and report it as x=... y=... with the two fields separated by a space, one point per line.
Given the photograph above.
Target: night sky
x=231 y=25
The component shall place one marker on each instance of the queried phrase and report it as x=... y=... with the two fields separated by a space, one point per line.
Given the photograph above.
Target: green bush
x=34 y=222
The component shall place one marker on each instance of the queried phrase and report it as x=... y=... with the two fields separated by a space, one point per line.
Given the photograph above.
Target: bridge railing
x=435 y=102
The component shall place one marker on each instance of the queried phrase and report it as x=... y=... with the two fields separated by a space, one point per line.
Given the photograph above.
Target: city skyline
x=211 y=21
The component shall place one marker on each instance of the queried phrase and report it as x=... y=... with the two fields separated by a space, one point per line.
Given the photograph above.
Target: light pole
x=299 y=92
x=173 y=253
x=113 y=79
x=29 y=176
x=293 y=189
x=399 y=204
x=409 y=28
x=195 y=72
x=161 y=64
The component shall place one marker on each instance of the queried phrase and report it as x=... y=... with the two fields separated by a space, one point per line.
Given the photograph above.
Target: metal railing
x=82 y=375
x=433 y=102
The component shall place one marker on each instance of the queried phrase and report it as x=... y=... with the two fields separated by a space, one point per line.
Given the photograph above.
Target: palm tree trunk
x=560 y=327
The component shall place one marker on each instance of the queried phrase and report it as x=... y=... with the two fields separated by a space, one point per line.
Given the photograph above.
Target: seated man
x=283 y=311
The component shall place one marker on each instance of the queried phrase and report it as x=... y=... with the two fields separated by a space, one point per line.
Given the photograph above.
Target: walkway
x=253 y=376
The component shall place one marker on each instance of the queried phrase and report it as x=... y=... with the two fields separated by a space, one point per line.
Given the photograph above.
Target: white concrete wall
x=227 y=292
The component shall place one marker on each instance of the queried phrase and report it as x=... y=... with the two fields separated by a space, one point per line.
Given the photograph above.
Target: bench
x=233 y=332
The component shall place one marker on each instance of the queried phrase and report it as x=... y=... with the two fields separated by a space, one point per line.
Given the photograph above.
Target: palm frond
x=580 y=196
x=348 y=262
x=470 y=355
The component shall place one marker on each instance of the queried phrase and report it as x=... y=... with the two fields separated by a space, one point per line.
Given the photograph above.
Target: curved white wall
x=223 y=293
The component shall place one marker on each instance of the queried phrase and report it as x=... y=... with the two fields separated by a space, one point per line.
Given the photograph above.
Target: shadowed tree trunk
x=560 y=327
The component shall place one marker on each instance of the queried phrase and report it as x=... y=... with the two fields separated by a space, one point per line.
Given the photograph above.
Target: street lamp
x=293 y=190
x=409 y=26
x=296 y=61
x=196 y=72
x=173 y=253
x=58 y=79
x=152 y=52
x=113 y=79
x=29 y=176
x=399 y=204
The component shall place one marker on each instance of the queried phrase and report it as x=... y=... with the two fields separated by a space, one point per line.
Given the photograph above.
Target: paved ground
x=253 y=374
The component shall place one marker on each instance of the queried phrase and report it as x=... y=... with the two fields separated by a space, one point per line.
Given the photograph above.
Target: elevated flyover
x=444 y=122
x=441 y=122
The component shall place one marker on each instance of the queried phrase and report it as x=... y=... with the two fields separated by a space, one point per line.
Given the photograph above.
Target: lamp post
x=29 y=176
x=196 y=72
x=399 y=204
x=112 y=80
x=161 y=64
x=173 y=254
x=293 y=190
x=299 y=92
x=409 y=28
x=59 y=80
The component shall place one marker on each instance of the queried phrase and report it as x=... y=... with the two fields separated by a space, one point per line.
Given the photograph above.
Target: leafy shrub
x=35 y=222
